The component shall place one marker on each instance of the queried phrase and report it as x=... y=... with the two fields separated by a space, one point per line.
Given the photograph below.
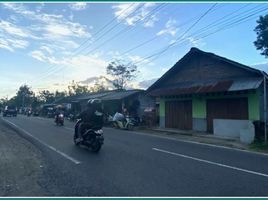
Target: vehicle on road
x=92 y=137
x=10 y=111
x=29 y=113
x=59 y=119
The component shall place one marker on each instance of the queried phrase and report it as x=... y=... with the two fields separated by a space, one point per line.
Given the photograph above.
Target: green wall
x=162 y=108
x=199 y=107
x=253 y=106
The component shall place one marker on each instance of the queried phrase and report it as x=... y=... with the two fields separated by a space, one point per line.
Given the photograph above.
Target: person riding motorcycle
x=57 y=113
x=91 y=117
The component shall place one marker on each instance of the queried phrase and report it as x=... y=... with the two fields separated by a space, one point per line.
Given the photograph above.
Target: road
x=137 y=164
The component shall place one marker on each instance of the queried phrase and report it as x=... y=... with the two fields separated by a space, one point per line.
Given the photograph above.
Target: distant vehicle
x=10 y=111
x=29 y=113
x=59 y=119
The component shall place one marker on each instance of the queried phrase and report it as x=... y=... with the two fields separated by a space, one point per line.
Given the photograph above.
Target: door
x=178 y=114
x=226 y=109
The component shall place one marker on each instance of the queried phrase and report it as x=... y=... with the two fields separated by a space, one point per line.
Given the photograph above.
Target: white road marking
x=211 y=162
x=47 y=145
x=193 y=142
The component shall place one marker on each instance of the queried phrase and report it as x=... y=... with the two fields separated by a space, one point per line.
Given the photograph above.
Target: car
x=10 y=111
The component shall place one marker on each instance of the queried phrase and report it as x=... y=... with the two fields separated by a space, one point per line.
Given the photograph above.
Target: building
x=208 y=93
x=114 y=100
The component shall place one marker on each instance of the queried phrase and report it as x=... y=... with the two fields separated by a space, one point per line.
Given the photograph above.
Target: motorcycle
x=127 y=124
x=59 y=120
x=29 y=113
x=92 y=137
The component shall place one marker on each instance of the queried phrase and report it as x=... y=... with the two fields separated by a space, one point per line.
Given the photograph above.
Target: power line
x=116 y=35
x=230 y=25
x=181 y=36
x=126 y=29
x=106 y=25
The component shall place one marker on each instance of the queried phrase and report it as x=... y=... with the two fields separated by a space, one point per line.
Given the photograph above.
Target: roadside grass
x=259 y=146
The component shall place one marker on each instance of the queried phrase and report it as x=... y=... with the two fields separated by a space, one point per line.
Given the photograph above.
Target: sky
x=47 y=45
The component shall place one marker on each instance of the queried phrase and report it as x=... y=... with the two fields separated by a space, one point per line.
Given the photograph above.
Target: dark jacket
x=92 y=117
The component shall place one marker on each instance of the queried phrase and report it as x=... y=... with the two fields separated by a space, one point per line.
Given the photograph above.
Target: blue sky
x=47 y=45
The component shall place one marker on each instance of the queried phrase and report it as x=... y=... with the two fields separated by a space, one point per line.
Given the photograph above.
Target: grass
x=259 y=146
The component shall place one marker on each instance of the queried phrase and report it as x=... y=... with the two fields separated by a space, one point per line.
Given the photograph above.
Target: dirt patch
x=22 y=165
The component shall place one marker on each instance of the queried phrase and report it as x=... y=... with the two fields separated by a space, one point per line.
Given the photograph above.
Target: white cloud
x=170 y=28
x=138 y=12
x=5 y=45
x=78 y=6
x=12 y=29
x=21 y=44
x=50 y=28
x=47 y=49
x=39 y=55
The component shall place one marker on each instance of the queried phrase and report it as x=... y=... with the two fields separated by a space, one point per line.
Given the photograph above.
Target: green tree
x=59 y=95
x=46 y=96
x=24 y=97
x=122 y=73
x=261 y=30
x=3 y=102
x=75 y=89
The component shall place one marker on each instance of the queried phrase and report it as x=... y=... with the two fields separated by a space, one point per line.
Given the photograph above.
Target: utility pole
x=265 y=106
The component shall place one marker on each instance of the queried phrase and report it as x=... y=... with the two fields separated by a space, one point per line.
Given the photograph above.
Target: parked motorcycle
x=127 y=124
x=92 y=137
x=59 y=120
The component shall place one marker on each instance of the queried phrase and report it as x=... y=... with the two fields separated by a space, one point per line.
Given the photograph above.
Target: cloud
x=5 y=45
x=78 y=6
x=12 y=29
x=47 y=49
x=170 y=28
x=51 y=29
x=131 y=14
x=41 y=56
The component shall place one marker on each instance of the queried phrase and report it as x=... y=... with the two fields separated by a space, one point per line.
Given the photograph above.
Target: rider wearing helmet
x=92 y=116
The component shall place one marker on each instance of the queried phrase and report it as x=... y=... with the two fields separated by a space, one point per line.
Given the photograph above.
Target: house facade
x=208 y=93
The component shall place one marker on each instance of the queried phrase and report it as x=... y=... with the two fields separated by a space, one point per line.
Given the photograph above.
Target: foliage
x=23 y=98
x=121 y=73
x=46 y=96
x=75 y=89
x=262 y=35
x=259 y=146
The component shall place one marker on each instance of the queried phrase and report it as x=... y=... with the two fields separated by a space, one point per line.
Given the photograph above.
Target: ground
x=21 y=165
x=40 y=159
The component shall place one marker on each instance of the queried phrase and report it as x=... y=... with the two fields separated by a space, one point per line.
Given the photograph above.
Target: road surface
x=136 y=164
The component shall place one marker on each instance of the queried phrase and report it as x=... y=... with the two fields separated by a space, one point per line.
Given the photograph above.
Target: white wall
x=237 y=129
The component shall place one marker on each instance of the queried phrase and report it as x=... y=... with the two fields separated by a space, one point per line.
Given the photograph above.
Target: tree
x=59 y=95
x=75 y=89
x=262 y=35
x=46 y=96
x=24 y=97
x=121 y=73
x=3 y=102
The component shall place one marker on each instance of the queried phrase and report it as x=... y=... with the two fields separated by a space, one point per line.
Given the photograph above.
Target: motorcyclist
x=91 y=117
x=58 y=111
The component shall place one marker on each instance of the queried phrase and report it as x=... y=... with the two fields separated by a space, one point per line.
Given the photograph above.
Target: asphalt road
x=137 y=164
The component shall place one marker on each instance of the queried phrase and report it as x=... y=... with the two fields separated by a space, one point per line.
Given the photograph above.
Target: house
x=134 y=100
x=209 y=93
x=113 y=100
